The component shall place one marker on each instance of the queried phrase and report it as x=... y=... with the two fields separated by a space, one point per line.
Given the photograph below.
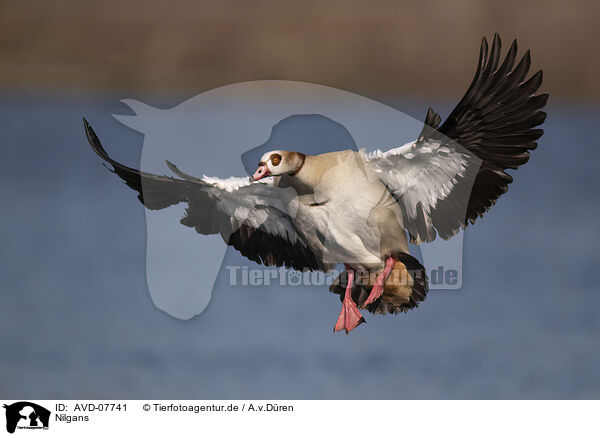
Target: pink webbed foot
x=377 y=289
x=350 y=317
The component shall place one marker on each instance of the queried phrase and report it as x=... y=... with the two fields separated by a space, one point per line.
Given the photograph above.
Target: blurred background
x=76 y=320
x=380 y=48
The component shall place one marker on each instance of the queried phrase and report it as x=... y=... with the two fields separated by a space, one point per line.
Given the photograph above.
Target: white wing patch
x=419 y=175
x=229 y=184
x=255 y=203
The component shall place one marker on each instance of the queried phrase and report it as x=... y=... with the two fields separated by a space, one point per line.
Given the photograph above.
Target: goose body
x=340 y=208
x=361 y=209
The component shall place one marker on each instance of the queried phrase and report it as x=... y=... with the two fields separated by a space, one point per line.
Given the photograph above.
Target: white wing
x=421 y=174
x=455 y=172
x=251 y=217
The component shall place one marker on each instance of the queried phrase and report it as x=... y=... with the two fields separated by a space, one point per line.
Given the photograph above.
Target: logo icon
x=26 y=415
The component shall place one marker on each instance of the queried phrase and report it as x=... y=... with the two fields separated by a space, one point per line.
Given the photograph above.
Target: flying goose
x=310 y=212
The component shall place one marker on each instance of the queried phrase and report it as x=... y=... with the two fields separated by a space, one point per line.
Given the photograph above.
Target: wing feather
x=250 y=218
x=491 y=129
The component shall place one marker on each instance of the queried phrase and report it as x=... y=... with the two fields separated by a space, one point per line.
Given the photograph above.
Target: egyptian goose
x=362 y=209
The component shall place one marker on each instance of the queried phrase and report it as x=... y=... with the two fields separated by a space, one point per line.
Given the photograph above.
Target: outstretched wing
x=455 y=172
x=248 y=216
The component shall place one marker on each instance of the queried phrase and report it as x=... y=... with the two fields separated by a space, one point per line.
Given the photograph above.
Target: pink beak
x=261 y=171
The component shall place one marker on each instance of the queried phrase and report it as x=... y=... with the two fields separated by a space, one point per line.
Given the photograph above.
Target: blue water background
x=76 y=319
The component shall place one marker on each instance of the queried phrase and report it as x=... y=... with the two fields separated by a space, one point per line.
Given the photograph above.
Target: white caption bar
x=301 y=417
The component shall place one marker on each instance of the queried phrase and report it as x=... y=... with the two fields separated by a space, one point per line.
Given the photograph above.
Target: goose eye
x=276 y=159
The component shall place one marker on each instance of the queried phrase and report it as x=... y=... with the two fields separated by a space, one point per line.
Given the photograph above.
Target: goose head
x=278 y=163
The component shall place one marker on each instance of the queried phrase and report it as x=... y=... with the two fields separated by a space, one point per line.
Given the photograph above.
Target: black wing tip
x=89 y=132
x=432 y=119
x=86 y=126
x=506 y=108
x=181 y=174
x=171 y=165
x=96 y=145
x=432 y=122
x=484 y=43
x=496 y=47
x=527 y=59
x=483 y=54
x=91 y=135
x=496 y=42
x=94 y=141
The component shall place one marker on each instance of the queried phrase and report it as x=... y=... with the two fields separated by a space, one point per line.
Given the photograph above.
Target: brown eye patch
x=276 y=159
